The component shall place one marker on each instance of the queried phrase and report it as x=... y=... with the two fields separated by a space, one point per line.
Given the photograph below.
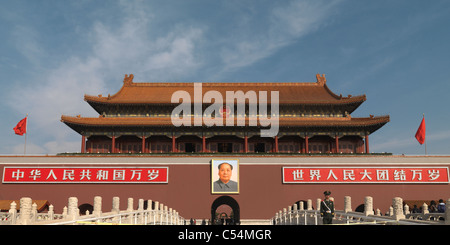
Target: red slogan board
x=85 y=175
x=396 y=175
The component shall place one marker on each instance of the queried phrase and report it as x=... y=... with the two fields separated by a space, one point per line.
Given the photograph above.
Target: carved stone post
x=51 y=213
x=151 y=213
x=163 y=213
x=397 y=204
x=116 y=205
x=141 y=209
x=97 y=206
x=280 y=214
x=25 y=211
x=34 y=212
x=406 y=208
x=347 y=204
x=309 y=204
x=301 y=206
x=368 y=206
x=156 y=213
x=73 y=211
x=130 y=205
x=425 y=208
x=130 y=209
x=13 y=212
x=295 y=210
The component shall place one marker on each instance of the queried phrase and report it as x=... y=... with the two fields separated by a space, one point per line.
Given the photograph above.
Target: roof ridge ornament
x=321 y=80
x=128 y=80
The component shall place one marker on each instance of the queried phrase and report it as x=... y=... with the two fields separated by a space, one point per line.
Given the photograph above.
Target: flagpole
x=425 y=140
x=26 y=132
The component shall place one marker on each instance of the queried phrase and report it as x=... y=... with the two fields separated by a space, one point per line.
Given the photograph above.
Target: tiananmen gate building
x=134 y=149
x=137 y=119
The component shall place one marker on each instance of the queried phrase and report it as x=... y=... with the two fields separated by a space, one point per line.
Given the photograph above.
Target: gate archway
x=227 y=200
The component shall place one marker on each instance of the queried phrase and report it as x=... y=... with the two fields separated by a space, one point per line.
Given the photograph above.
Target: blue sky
x=395 y=52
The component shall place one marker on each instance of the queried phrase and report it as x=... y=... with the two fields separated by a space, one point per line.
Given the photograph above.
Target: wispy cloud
x=286 y=24
x=132 y=43
x=127 y=48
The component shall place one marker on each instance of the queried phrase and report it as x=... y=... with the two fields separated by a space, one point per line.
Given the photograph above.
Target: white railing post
x=347 y=204
x=51 y=213
x=25 y=211
x=13 y=213
x=34 y=212
x=156 y=213
x=150 y=211
x=304 y=213
x=425 y=209
x=368 y=206
x=397 y=204
x=161 y=212
x=73 y=211
x=296 y=213
x=97 y=206
x=141 y=211
x=129 y=210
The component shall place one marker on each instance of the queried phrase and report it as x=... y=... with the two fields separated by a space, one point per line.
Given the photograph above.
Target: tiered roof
x=289 y=93
x=316 y=93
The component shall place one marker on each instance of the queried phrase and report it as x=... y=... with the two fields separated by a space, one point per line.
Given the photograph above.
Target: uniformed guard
x=327 y=208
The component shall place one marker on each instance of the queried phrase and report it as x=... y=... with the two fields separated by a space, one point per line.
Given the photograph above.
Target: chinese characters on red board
x=85 y=175
x=425 y=175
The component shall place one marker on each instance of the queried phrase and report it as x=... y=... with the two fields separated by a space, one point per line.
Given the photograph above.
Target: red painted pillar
x=203 y=144
x=83 y=144
x=367 y=143
x=276 y=143
x=113 y=144
x=143 y=143
x=337 y=144
x=307 y=143
x=174 y=148
x=246 y=144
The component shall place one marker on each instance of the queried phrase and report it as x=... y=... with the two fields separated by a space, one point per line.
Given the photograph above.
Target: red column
x=246 y=144
x=337 y=144
x=143 y=143
x=367 y=143
x=174 y=148
x=113 y=144
x=203 y=144
x=276 y=143
x=307 y=143
x=83 y=144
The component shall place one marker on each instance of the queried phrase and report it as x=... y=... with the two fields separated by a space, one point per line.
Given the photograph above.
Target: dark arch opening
x=360 y=208
x=85 y=207
x=227 y=200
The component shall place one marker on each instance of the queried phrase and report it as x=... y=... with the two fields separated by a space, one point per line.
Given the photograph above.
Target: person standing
x=441 y=206
x=327 y=209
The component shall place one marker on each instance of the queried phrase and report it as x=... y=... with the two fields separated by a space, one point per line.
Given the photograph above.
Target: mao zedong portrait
x=224 y=183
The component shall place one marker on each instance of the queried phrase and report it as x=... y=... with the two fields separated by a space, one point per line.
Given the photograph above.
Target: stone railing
x=28 y=215
x=398 y=214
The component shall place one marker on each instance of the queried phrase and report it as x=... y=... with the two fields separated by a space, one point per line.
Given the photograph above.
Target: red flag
x=420 y=134
x=21 y=127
